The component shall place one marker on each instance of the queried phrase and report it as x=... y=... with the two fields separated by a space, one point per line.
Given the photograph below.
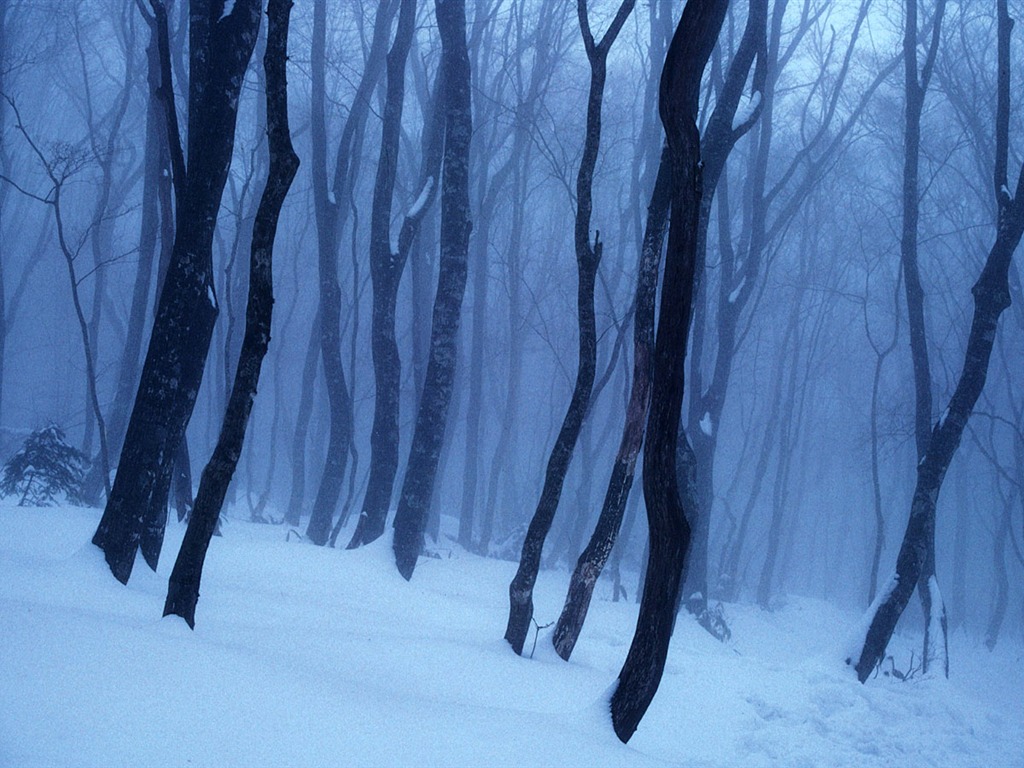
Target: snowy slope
x=315 y=657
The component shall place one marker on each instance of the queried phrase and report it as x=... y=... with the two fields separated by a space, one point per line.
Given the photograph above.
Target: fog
x=817 y=410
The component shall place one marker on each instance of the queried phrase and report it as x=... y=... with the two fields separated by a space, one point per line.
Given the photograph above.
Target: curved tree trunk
x=916 y=560
x=386 y=268
x=640 y=676
x=588 y=257
x=592 y=561
x=183 y=588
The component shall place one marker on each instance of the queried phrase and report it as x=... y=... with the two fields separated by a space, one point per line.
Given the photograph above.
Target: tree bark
x=669 y=528
x=991 y=296
x=588 y=258
x=592 y=561
x=183 y=588
x=386 y=269
x=432 y=414
x=219 y=52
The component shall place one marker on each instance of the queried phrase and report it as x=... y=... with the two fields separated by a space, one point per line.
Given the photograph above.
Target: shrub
x=44 y=469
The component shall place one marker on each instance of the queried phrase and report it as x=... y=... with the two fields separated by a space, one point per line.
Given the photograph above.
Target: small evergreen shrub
x=45 y=469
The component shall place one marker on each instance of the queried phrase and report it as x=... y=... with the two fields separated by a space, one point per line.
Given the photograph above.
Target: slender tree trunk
x=915 y=93
x=155 y=170
x=183 y=589
x=293 y=514
x=588 y=258
x=591 y=562
x=723 y=131
x=991 y=296
x=999 y=603
x=386 y=269
x=640 y=676
x=432 y=415
x=330 y=217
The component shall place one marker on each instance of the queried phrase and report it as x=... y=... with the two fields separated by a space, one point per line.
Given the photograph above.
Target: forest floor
x=305 y=656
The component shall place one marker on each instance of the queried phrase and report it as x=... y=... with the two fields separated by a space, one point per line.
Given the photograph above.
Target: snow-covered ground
x=316 y=657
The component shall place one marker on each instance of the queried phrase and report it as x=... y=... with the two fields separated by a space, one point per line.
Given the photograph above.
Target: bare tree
x=668 y=505
x=588 y=258
x=65 y=162
x=991 y=296
x=136 y=510
x=432 y=415
x=386 y=268
x=332 y=207
x=183 y=588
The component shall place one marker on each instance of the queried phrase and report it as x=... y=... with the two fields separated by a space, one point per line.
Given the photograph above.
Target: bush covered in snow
x=45 y=471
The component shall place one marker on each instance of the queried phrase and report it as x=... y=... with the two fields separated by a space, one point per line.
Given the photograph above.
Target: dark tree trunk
x=183 y=588
x=640 y=676
x=219 y=53
x=592 y=561
x=330 y=219
x=991 y=296
x=386 y=268
x=432 y=414
x=914 y=94
x=588 y=257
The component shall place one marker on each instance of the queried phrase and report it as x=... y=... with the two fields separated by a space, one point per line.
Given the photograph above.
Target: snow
x=746 y=110
x=735 y=293
x=308 y=656
x=705 y=424
x=417 y=207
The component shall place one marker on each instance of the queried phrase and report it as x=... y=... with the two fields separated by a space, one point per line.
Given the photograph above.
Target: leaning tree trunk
x=915 y=92
x=640 y=676
x=432 y=414
x=183 y=589
x=594 y=557
x=991 y=296
x=588 y=257
x=592 y=561
x=219 y=52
